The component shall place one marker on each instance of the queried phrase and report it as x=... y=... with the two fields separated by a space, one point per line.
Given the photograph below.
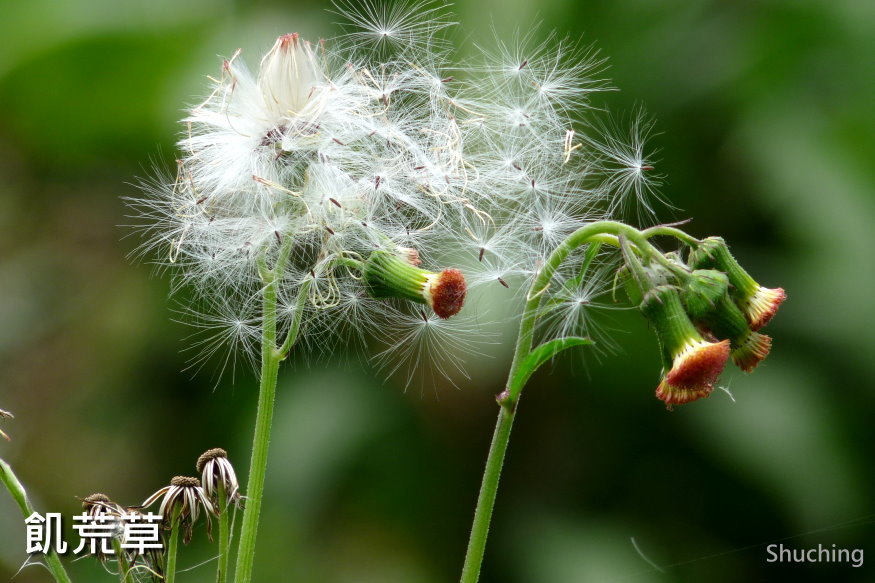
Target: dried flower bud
x=100 y=503
x=390 y=276
x=758 y=303
x=216 y=471
x=693 y=363
x=99 y=507
x=181 y=502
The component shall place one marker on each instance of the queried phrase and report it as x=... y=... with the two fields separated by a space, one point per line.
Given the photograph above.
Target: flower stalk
x=173 y=544
x=222 y=508
x=695 y=362
x=508 y=399
x=270 y=361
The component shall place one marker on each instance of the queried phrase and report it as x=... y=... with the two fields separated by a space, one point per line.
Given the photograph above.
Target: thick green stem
x=224 y=535
x=16 y=490
x=597 y=232
x=270 y=360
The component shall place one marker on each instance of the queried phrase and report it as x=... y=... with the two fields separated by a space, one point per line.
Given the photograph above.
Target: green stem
x=224 y=535
x=16 y=490
x=670 y=232
x=124 y=568
x=600 y=232
x=172 y=545
x=295 y=326
x=486 y=499
x=270 y=360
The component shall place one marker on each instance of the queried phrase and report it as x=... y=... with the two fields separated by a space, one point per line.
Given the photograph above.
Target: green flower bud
x=705 y=288
x=693 y=363
x=759 y=304
x=391 y=276
x=653 y=275
x=726 y=321
x=708 y=303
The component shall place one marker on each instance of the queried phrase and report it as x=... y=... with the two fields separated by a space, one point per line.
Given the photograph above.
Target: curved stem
x=270 y=359
x=593 y=232
x=670 y=232
x=608 y=232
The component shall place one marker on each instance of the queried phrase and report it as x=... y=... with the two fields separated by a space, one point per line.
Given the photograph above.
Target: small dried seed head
x=218 y=476
x=98 y=502
x=185 y=482
x=208 y=455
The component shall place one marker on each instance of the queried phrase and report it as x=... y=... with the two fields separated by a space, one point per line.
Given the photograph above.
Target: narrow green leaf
x=542 y=354
x=16 y=490
x=10 y=480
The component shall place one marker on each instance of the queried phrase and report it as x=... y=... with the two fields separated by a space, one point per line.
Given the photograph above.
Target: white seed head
x=335 y=149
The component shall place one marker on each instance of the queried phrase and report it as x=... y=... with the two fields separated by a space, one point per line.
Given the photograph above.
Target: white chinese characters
x=99 y=533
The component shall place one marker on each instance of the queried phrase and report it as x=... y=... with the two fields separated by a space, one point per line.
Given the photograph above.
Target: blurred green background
x=765 y=110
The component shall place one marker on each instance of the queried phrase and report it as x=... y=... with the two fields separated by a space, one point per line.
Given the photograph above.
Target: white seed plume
x=333 y=150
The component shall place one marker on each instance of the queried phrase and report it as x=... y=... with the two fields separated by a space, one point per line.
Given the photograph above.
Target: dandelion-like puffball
x=338 y=163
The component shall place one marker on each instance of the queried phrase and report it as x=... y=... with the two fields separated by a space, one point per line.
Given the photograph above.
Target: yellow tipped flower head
x=759 y=304
x=693 y=364
x=707 y=302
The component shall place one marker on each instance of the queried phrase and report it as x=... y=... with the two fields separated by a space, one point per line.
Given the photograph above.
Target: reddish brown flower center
x=699 y=366
x=448 y=293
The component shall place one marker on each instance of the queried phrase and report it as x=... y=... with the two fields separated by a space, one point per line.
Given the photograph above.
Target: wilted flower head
x=102 y=509
x=181 y=503
x=217 y=472
x=334 y=155
x=99 y=503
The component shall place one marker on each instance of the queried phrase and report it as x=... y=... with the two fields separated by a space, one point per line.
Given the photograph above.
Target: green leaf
x=16 y=490
x=542 y=354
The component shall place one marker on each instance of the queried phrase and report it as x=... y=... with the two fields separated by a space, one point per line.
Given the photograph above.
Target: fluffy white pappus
x=422 y=349
x=406 y=26
x=630 y=175
x=578 y=301
x=225 y=329
x=332 y=150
